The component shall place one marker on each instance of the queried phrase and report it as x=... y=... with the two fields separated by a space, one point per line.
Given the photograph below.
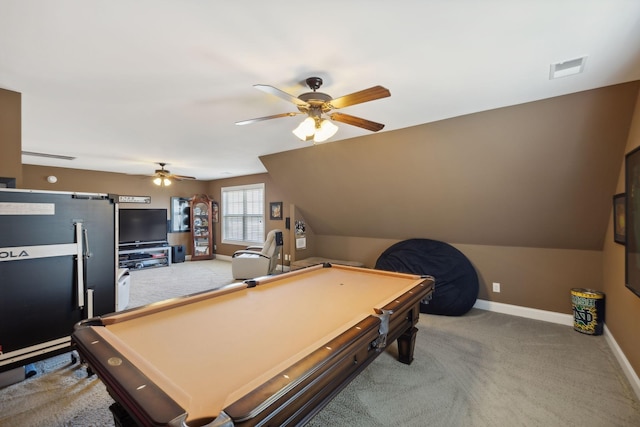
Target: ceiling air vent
x=567 y=68
x=49 y=156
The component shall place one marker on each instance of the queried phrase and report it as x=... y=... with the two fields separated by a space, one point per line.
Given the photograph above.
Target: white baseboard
x=564 y=319
x=623 y=361
x=530 y=313
x=223 y=257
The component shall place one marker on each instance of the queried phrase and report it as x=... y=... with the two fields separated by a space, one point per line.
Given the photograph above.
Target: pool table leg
x=406 y=344
x=121 y=417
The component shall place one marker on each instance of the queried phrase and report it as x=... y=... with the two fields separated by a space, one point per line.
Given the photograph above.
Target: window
x=243 y=214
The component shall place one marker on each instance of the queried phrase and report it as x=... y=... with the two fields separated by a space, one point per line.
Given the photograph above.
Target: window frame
x=224 y=215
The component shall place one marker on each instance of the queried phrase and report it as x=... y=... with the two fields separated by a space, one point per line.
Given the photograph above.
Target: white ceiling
x=123 y=84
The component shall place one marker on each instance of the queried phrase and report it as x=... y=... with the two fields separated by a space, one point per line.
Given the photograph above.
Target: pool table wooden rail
x=291 y=397
x=149 y=405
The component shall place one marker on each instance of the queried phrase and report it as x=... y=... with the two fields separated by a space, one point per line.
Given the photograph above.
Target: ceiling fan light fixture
x=325 y=131
x=165 y=182
x=306 y=129
x=316 y=104
x=316 y=129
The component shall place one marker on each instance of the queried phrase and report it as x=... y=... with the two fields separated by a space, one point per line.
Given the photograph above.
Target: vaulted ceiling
x=121 y=85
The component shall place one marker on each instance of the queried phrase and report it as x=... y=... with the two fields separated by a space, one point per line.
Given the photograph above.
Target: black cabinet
x=57 y=267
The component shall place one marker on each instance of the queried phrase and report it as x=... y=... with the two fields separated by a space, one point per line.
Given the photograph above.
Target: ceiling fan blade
x=181 y=177
x=259 y=119
x=356 y=121
x=281 y=94
x=365 y=95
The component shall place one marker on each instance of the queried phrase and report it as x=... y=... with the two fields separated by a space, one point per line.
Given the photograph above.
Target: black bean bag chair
x=456 y=287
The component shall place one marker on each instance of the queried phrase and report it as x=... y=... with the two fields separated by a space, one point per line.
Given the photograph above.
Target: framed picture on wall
x=632 y=221
x=180 y=215
x=275 y=210
x=619 y=228
x=215 y=217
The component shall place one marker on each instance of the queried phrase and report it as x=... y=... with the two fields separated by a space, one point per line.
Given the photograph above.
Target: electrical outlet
x=496 y=287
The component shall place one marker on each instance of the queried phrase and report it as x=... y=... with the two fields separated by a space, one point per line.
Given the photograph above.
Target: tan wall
x=273 y=193
x=78 y=180
x=533 y=175
x=310 y=242
x=529 y=277
x=10 y=135
x=622 y=306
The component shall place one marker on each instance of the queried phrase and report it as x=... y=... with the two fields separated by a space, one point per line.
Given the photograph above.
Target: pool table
x=268 y=351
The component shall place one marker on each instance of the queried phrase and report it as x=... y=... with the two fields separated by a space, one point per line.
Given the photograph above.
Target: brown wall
x=273 y=193
x=535 y=175
x=10 y=135
x=530 y=277
x=35 y=177
x=78 y=180
x=623 y=307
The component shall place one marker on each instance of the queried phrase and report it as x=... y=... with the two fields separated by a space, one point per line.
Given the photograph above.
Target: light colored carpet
x=490 y=369
x=160 y=283
x=481 y=369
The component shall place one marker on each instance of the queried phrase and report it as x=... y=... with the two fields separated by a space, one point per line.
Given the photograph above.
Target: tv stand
x=144 y=255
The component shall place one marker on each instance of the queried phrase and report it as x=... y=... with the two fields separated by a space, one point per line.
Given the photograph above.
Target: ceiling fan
x=163 y=177
x=316 y=104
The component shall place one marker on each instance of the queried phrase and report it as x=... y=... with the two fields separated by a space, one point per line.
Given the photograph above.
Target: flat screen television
x=142 y=226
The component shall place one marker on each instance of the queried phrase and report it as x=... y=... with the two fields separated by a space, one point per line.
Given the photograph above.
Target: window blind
x=243 y=214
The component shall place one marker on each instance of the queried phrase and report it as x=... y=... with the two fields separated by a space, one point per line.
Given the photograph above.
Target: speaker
x=177 y=253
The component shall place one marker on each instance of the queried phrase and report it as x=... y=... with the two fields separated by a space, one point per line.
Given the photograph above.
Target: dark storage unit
x=57 y=267
x=177 y=253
